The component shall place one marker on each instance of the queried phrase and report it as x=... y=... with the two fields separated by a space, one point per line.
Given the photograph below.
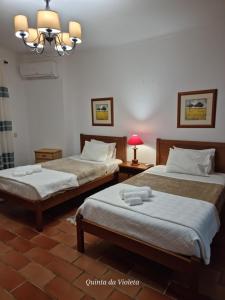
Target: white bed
x=41 y=185
x=107 y=209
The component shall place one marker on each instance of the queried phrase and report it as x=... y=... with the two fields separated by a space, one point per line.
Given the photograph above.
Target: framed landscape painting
x=197 y=109
x=102 y=112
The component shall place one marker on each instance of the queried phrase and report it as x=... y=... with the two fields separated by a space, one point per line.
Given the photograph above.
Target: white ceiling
x=111 y=22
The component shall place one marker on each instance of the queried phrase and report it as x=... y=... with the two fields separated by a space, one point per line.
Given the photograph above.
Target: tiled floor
x=46 y=265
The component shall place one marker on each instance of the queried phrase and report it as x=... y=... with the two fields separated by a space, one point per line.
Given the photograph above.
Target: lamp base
x=134 y=162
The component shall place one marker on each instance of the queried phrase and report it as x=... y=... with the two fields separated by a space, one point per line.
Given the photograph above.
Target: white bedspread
x=179 y=224
x=39 y=186
x=112 y=164
x=45 y=182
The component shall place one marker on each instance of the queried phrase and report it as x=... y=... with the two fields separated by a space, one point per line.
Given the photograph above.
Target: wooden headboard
x=121 y=143
x=163 y=146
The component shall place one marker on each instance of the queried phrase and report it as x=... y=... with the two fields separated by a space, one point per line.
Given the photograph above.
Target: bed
x=185 y=260
x=15 y=192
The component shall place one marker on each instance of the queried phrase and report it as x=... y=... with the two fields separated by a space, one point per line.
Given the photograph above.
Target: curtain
x=6 y=134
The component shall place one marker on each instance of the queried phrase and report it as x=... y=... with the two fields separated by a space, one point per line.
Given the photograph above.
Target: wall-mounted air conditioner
x=38 y=70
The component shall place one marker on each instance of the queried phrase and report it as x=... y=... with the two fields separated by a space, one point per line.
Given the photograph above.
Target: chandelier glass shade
x=48 y=30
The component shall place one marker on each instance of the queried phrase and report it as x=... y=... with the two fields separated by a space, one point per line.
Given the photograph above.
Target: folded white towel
x=134 y=201
x=144 y=192
x=144 y=195
x=18 y=173
x=26 y=170
x=36 y=168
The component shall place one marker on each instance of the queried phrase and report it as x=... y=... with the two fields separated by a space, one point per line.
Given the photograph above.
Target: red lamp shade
x=135 y=140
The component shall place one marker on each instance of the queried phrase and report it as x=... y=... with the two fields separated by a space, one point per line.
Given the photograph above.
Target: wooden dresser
x=45 y=154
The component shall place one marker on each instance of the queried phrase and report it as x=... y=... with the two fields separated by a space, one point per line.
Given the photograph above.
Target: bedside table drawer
x=131 y=171
x=41 y=160
x=44 y=155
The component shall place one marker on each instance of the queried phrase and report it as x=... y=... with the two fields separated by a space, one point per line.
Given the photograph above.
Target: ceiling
x=114 y=22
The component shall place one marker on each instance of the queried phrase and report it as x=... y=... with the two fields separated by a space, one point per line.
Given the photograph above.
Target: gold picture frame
x=197 y=109
x=102 y=111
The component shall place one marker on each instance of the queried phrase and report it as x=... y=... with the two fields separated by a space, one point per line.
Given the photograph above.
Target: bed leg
x=194 y=284
x=191 y=288
x=80 y=233
x=39 y=218
x=194 y=279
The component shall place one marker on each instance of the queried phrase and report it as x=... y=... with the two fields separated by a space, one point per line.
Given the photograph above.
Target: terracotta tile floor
x=46 y=265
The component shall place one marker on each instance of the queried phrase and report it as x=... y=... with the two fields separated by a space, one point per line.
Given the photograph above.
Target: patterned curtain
x=6 y=135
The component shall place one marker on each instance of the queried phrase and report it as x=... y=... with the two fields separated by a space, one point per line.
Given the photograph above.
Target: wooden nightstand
x=127 y=169
x=46 y=154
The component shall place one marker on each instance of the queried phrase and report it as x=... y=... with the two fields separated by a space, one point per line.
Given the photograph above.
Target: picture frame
x=197 y=109
x=102 y=111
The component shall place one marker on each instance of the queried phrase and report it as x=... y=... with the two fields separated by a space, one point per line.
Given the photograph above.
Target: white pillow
x=111 y=148
x=188 y=162
x=94 y=151
x=114 y=153
x=211 y=152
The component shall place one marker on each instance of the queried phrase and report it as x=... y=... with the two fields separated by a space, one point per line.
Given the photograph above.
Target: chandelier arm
x=60 y=53
x=43 y=36
x=67 y=52
x=40 y=52
x=74 y=43
x=25 y=43
x=42 y=39
x=74 y=46
x=58 y=39
x=39 y=41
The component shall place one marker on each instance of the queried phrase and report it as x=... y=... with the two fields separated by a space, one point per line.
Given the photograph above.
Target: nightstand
x=45 y=154
x=127 y=169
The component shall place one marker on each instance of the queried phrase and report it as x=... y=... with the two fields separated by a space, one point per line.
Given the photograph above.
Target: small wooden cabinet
x=45 y=154
x=127 y=169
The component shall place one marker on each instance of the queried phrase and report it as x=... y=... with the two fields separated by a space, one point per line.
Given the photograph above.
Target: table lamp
x=135 y=140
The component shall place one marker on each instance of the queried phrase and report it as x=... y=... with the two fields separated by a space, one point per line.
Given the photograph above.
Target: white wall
x=18 y=105
x=144 y=79
x=52 y=110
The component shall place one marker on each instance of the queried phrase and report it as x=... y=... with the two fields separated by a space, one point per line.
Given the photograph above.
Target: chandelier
x=48 y=29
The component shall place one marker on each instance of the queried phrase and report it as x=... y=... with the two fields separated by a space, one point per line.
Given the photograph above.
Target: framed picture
x=102 y=112
x=197 y=109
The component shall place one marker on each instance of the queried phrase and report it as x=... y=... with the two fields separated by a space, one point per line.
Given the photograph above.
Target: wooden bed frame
x=176 y=262
x=39 y=206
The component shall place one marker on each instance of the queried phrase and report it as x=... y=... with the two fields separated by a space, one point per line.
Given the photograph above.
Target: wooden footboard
x=176 y=262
